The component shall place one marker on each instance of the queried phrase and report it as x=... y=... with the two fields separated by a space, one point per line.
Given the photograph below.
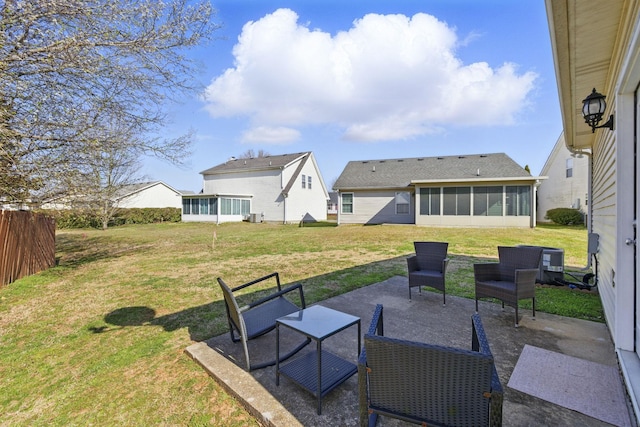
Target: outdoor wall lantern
x=593 y=107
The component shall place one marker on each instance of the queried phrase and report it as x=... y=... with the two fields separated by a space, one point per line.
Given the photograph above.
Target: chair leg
x=409 y=291
x=245 y=347
x=476 y=305
x=516 y=306
x=444 y=297
x=533 y=304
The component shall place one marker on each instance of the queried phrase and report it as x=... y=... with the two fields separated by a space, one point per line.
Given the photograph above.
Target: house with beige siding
x=596 y=45
x=566 y=185
x=478 y=190
x=286 y=188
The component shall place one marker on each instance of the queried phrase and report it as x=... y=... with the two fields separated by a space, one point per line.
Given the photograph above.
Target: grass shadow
x=208 y=320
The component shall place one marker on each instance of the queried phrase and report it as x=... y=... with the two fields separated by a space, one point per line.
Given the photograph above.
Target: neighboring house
x=566 y=183
x=332 y=204
x=470 y=190
x=597 y=45
x=155 y=194
x=284 y=188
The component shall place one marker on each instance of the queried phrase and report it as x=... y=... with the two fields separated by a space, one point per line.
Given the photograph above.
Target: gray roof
x=129 y=189
x=398 y=173
x=254 y=163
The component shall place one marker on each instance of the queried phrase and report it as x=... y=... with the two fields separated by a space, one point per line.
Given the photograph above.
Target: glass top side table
x=319 y=371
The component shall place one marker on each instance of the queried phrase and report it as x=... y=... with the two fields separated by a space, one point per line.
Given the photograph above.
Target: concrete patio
x=425 y=319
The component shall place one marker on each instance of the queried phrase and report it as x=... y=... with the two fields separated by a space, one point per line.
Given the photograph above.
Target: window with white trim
x=347 y=203
x=430 y=201
x=487 y=201
x=304 y=181
x=569 y=167
x=456 y=201
x=518 y=200
x=403 y=202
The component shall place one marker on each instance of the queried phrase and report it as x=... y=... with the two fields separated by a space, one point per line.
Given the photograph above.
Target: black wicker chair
x=511 y=279
x=259 y=317
x=428 y=384
x=428 y=266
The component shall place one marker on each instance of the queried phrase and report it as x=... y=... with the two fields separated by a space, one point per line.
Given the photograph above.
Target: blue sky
x=370 y=79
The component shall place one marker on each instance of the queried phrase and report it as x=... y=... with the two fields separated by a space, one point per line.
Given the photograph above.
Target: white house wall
x=558 y=190
x=604 y=197
x=305 y=202
x=265 y=187
x=156 y=196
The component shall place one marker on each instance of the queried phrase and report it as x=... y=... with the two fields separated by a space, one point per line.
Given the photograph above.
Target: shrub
x=565 y=216
x=146 y=215
x=76 y=218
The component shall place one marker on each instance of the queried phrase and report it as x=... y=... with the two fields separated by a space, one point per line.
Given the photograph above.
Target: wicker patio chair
x=428 y=266
x=259 y=317
x=428 y=384
x=511 y=279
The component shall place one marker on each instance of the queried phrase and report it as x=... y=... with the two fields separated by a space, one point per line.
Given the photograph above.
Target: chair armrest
x=497 y=397
x=258 y=280
x=377 y=325
x=412 y=263
x=363 y=396
x=486 y=271
x=526 y=276
x=445 y=262
x=479 y=340
x=480 y=343
x=375 y=328
x=278 y=294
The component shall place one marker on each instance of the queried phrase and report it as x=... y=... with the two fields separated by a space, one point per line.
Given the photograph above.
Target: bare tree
x=250 y=154
x=71 y=68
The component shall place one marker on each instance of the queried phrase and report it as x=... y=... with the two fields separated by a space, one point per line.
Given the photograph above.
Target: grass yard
x=99 y=339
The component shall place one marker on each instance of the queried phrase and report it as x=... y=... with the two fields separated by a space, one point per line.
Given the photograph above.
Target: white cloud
x=388 y=77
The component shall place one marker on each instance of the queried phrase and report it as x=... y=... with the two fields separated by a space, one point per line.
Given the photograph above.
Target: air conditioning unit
x=254 y=217
x=551 y=265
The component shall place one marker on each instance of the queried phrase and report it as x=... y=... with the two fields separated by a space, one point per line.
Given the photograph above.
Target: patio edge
x=241 y=385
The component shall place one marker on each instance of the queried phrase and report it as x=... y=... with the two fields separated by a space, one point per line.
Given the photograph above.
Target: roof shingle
x=395 y=173
x=254 y=163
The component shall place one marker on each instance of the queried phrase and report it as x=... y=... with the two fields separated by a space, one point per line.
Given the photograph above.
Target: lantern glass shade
x=593 y=107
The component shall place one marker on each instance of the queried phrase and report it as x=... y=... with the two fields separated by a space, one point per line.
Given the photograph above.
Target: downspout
x=589 y=155
x=284 y=206
x=218 y=211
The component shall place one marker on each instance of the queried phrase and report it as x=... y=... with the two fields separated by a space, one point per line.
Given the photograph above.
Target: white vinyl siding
x=605 y=224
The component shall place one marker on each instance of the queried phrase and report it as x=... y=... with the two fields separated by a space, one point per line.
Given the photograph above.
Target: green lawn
x=99 y=339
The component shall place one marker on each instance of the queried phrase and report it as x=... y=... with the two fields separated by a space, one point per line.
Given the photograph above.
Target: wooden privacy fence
x=27 y=244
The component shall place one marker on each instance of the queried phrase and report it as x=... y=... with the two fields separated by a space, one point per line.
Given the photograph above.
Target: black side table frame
x=318 y=371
